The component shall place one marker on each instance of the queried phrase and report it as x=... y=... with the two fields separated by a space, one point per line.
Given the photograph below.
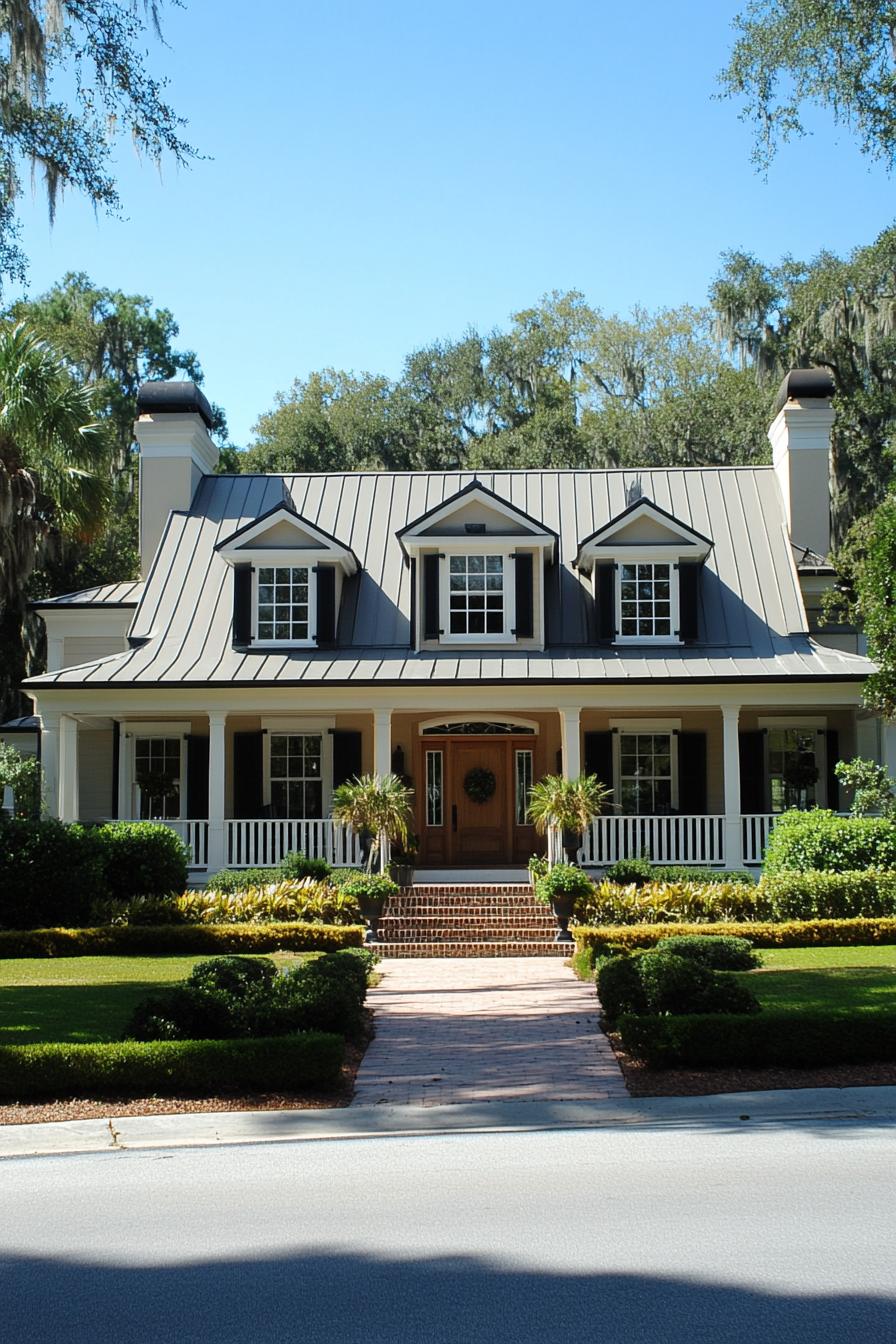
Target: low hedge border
x=170 y=1068
x=782 y=1040
x=793 y=933
x=138 y=939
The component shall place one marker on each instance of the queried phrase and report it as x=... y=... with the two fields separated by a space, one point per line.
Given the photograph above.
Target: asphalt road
x=649 y=1232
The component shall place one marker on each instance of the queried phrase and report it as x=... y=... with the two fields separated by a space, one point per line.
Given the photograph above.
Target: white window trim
x=486 y=547
x=133 y=730
x=644 y=726
x=643 y=556
x=322 y=728
x=811 y=723
x=286 y=560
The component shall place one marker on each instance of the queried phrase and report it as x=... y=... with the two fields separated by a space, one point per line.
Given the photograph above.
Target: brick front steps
x=468 y=920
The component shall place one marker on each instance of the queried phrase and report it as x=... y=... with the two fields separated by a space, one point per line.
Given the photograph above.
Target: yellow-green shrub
x=669 y=903
x=139 y=940
x=792 y=933
x=281 y=902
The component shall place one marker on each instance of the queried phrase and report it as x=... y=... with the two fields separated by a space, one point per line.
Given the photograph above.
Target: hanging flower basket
x=479 y=784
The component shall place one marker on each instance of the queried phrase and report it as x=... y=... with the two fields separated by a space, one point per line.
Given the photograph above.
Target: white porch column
x=123 y=783
x=217 y=854
x=382 y=742
x=68 y=768
x=734 y=845
x=49 y=760
x=571 y=742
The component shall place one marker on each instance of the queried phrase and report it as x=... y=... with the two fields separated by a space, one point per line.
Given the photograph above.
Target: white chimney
x=173 y=420
x=800 y=436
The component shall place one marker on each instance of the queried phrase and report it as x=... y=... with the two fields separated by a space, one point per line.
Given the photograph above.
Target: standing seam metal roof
x=752 y=621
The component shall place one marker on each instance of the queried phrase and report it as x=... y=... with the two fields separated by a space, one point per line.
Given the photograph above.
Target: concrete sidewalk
x=809 y=1108
x=483 y=1029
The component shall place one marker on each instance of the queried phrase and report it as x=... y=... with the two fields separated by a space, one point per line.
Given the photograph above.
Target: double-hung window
x=296 y=775
x=645 y=600
x=283 y=604
x=645 y=773
x=157 y=773
x=476 y=594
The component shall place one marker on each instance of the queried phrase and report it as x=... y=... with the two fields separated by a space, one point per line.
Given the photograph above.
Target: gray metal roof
x=125 y=594
x=752 y=623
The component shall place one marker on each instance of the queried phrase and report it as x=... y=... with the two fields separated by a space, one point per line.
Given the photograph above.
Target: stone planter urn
x=371 y=908
x=563 y=908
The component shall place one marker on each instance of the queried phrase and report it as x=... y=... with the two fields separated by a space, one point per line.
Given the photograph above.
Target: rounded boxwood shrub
x=183 y=1013
x=630 y=872
x=619 y=987
x=814 y=895
x=718 y=954
x=141 y=858
x=675 y=984
x=296 y=866
x=821 y=841
x=49 y=873
x=232 y=975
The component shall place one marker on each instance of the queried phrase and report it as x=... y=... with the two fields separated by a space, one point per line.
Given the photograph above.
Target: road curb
x=860 y=1106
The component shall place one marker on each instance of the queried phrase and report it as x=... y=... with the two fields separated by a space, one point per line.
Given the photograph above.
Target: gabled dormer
x=645 y=567
x=287 y=581
x=477 y=565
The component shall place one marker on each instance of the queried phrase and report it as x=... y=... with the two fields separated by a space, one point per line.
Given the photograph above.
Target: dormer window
x=287 y=581
x=284 y=605
x=477 y=565
x=476 y=595
x=645 y=600
x=645 y=566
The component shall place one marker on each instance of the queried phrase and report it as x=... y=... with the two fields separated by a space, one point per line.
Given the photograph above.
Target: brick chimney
x=173 y=420
x=800 y=435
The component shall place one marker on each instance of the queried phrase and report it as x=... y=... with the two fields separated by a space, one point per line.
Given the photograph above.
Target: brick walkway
x=485 y=1029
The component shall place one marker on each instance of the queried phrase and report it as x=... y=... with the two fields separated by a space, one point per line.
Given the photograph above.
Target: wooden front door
x=480 y=830
x=452 y=827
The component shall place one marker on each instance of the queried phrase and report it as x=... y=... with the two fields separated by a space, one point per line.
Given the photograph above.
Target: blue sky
x=381 y=175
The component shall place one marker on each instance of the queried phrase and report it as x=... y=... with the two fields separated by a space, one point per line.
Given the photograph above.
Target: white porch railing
x=686 y=840
x=194 y=834
x=757 y=827
x=263 y=843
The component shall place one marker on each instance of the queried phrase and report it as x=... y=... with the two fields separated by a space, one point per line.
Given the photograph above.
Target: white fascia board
x=87 y=622
x=240 y=548
x=492 y=543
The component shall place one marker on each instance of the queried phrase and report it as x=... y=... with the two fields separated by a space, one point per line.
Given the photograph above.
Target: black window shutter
x=248 y=782
x=242 y=604
x=752 y=772
x=525 y=615
x=832 y=738
x=688 y=595
x=692 y=773
x=197 y=778
x=431 y=628
x=326 y=604
x=346 y=756
x=413 y=620
x=598 y=757
x=606 y=601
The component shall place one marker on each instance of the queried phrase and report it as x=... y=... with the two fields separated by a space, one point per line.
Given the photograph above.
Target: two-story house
x=459 y=628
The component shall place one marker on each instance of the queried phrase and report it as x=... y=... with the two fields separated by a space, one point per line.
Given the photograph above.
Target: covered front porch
x=693 y=783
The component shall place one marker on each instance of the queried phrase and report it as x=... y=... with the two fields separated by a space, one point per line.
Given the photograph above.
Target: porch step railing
x=263 y=843
x=686 y=840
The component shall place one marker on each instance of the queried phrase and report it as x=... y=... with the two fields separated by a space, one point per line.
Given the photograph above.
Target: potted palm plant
x=566 y=807
x=379 y=805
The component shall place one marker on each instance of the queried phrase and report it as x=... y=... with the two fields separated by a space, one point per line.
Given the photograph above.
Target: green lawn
x=837 y=980
x=82 y=998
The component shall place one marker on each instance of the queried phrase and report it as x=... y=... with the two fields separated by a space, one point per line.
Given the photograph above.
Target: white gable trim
x=684 y=543
x=535 y=536
x=239 y=548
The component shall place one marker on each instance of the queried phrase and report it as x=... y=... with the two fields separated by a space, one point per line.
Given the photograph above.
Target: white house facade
x=660 y=629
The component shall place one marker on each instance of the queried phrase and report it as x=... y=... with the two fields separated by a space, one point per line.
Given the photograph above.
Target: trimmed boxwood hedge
x=793 y=933
x=170 y=1068
x=137 y=939
x=783 y=1040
